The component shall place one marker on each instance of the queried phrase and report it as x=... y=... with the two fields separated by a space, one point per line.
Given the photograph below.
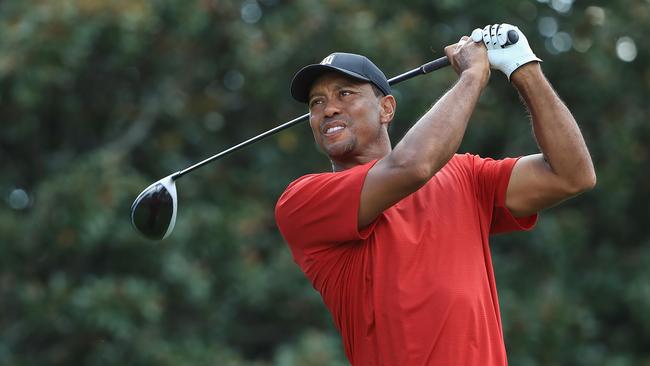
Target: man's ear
x=388 y=106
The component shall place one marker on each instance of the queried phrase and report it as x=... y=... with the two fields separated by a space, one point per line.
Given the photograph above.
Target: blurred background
x=100 y=98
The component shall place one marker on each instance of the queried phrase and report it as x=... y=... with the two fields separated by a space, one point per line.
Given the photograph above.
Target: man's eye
x=315 y=102
x=345 y=92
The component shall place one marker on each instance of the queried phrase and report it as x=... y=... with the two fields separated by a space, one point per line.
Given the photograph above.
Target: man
x=396 y=240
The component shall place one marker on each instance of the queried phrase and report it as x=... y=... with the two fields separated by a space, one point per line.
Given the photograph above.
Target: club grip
x=435 y=65
x=512 y=38
x=422 y=69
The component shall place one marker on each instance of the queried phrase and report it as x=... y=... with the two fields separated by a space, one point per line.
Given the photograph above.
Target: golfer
x=396 y=240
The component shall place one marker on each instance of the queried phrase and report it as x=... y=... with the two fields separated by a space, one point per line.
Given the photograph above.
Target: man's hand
x=504 y=54
x=469 y=57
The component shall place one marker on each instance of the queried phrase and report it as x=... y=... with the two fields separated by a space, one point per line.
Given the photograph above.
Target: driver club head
x=153 y=212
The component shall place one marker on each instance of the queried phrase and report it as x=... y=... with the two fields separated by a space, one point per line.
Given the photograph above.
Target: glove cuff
x=509 y=68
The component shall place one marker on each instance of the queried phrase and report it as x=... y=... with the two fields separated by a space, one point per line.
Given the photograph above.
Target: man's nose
x=332 y=108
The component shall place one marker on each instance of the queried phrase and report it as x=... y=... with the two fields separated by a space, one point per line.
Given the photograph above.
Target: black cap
x=356 y=66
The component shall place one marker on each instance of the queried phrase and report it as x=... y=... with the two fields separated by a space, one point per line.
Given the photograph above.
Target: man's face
x=345 y=115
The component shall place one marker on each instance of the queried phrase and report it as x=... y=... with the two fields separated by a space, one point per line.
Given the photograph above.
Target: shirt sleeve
x=319 y=211
x=493 y=177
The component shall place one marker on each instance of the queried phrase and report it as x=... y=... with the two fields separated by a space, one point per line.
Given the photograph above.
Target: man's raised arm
x=432 y=141
x=564 y=169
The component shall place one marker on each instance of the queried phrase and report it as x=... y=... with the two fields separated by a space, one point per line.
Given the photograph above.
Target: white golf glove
x=507 y=51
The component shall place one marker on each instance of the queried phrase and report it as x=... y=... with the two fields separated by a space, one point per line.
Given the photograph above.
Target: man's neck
x=374 y=151
x=351 y=162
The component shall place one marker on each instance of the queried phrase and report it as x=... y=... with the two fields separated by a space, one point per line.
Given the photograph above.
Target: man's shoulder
x=308 y=180
x=318 y=178
x=461 y=161
x=470 y=160
x=462 y=167
x=466 y=158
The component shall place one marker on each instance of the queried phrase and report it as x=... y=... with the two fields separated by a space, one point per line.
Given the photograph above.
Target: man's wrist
x=529 y=72
x=476 y=75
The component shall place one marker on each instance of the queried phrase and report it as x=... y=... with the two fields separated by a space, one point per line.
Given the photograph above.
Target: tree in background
x=100 y=98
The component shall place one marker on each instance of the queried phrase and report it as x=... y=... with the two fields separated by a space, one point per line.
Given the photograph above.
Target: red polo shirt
x=416 y=287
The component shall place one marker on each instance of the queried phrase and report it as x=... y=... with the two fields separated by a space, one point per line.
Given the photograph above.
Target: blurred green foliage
x=99 y=98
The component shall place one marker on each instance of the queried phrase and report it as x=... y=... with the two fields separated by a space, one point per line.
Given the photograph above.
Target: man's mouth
x=332 y=128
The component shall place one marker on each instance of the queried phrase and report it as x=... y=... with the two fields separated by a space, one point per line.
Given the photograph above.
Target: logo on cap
x=327 y=60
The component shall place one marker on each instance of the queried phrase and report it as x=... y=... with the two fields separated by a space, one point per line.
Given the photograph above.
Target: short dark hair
x=377 y=91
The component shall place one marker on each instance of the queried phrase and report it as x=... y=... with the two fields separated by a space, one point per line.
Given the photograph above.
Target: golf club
x=153 y=212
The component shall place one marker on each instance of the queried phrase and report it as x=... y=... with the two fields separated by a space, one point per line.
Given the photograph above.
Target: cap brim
x=303 y=80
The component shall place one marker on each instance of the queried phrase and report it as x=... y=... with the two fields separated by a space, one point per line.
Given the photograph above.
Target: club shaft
x=240 y=145
x=423 y=69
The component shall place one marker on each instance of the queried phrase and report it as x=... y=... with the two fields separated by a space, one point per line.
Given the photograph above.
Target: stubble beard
x=341 y=149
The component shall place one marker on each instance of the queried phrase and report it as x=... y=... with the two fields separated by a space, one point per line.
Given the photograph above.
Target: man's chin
x=338 y=151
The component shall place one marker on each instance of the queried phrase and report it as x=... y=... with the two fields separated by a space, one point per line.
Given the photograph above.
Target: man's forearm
x=435 y=138
x=555 y=129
